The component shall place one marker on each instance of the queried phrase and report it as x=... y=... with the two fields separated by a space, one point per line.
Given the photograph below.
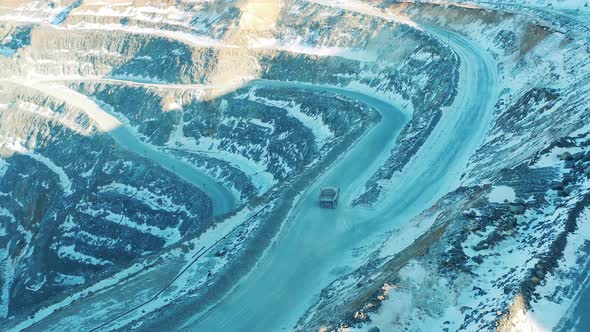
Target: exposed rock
x=517 y=209
x=566 y=156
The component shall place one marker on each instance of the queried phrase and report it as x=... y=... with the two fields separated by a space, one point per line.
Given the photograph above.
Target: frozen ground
x=311 y=246
x=315 y=246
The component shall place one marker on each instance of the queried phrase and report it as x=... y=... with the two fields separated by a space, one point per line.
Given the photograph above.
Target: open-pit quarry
x=161 y=164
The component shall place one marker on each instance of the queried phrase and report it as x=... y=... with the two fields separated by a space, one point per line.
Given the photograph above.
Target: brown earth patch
x=532 y=35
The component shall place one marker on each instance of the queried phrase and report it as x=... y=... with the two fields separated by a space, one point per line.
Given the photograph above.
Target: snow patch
x=263 y=124
x=154 y=201
x=320 y=130
x=69 y=280
x=70 y=252
x=3 y=168
x=500 y=194
x=169 y=235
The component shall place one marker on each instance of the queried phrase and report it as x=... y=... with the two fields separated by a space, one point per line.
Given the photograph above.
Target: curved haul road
x=314 y=248
x=288 y=275
x=378 y=140
x=222 y=198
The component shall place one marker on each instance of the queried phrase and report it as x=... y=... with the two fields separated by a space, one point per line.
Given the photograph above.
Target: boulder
x=483 y=245
x=517 y=209
x=360 y=315
x=494 y=237
x=566 y=156
x=470 y=214
x=557 y=187
x=465 y=308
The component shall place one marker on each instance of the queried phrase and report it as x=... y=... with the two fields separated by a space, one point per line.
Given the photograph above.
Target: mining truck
x=329 y=197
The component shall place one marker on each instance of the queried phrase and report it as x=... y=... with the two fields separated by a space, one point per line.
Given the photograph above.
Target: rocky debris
x=478 y=259
x=566 y=156
x=550 y=259
x=507 y=41
x=455 y=259
x=471 y=214
x=493 y=238
x=518 y=207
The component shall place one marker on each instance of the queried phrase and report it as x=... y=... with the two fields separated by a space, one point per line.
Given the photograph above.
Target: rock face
x=14 y=37
x=75 y=205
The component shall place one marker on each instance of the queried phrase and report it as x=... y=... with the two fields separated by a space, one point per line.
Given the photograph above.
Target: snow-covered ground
x=369 y=149
x=501 y=194
x=6 y=266
x=315 y=246
x=329 y=234
x=320 y=130
x=32 y=11
x=551 y=309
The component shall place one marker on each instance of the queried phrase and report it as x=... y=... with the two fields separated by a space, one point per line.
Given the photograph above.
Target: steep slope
x=77 y=205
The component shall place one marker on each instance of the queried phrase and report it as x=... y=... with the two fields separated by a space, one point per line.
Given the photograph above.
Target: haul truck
x=329 y=197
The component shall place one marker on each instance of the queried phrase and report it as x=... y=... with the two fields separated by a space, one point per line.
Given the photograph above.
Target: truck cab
x=329 y=197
